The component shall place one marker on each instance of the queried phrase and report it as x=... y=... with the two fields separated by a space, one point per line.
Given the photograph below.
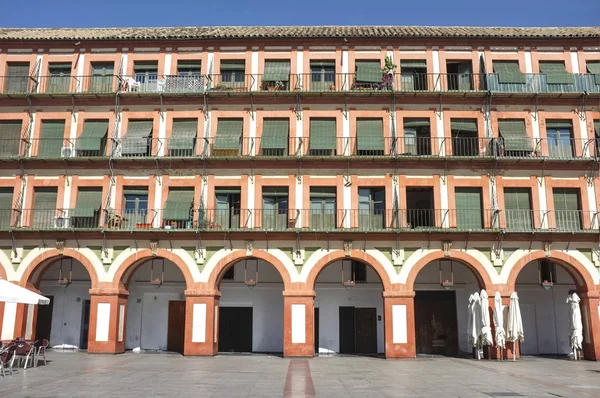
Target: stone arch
x=128 y=267
x=339 y=255
x=582 y=278
x=483 y=277
x=46 y=258
x=225 y=263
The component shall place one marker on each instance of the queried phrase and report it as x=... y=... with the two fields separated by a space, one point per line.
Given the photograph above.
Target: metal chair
x=5 y=362
x=25 y=351
x=41 y=351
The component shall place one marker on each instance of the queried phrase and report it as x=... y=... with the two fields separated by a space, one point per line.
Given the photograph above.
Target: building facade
x=298 y=189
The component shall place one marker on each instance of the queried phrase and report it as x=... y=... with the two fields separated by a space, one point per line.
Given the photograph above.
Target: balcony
x=537 y=83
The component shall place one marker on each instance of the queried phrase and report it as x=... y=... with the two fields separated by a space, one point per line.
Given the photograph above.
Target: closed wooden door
x=43 y=323
x=176 y=326
x=366 y=330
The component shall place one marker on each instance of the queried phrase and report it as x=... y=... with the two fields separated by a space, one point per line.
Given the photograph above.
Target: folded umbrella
x=514 y=324
x=575 y=324
x=499 y=321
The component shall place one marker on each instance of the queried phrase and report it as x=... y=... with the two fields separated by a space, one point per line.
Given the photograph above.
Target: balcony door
x=371 y=209
x=322 y=208
x=275 y=208
x=227 y=212
x=135 y=214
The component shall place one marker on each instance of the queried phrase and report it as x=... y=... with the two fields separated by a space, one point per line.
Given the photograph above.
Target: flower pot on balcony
x=143 y=225
x=332 y=87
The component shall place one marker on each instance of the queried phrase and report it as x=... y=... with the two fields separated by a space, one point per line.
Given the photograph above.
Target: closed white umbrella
x=471 y=331
x=499 y=323
x=11 y=293
x=476 y=311
x=486 y=329
x=514 y=324
x=575 y=324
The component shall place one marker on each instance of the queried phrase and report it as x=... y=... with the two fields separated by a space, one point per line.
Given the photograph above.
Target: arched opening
x=442 y=289
x=156 y=305
x=250 y=317
x=349 y=309
x=543 y=286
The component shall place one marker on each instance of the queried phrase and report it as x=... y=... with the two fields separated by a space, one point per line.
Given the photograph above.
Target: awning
x=368 y=72
x=469 y=125
x=183 y=134
x=369 y=134
x=413 y=64
x=508 y=72
x=594 y=68
x=277 y=71
x=89 y=201
x=559 y=124
x=234 y=65
x=514 y=135
x=53 y=134
x=322 y=64
x=135 y=141
x=229 y=134
x=178 y=205
x=322 y=134
x=11 y=293
x=275 y=134
x=92 y=135
x=556 y=73
x=416 y=122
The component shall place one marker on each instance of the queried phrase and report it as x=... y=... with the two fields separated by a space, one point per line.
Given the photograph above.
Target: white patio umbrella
x=11 y=293
x=499 y=323
x=514 y=324
x=486 y=329
x=575 y=324
x=476 y=311
x=471 y=331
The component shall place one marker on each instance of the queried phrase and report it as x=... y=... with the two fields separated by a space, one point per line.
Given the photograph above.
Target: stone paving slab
x=77 y=374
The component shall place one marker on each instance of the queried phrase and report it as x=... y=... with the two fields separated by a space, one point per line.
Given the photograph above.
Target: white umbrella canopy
x=514 y=324
x=476 y=324
x=499 y=321
x=486 y=329
x=471 y=330
x=11 y=293
x=575 y=324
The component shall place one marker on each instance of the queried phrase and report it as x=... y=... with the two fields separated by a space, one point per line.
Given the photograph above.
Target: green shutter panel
x=89 y=201
x=17 y=77
x=102 y=77
x=229 y=134
x=597 y=128
x=183 y=136
x=179 y=205
x=514 y=135
x=410 y=122
x=508 y=72
x=44 y=207
x=414 y=64
x=594 y=68
x=6 y=206
x=135 y=191
x=369 y=134
x=188 y=68
x=60 y=78
x=233 y=65
x=10 y=138
x=52 y=139
x=559 y=124
x=135 y=140
x=469 y=125
x=94 y=131
x=275 y=134
x=566 y=209
x=556 y=73
x=322 y=134
x=468 y=208
x=277 y=71
x=145 y=67
x=517 y=208
x=368 y=71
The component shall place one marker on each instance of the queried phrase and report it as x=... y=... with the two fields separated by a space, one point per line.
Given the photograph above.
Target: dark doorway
x=85 y=325
x=358 y=330
x=235 y=329
x=43 y=324
x=176 y=326
x=316 y=330
x=435 y=323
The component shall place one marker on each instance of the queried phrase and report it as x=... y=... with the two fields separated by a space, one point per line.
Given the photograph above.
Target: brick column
x=399 y=332
x=201 y=323
x=108 y=318
x=299 y=323
x=590 y=314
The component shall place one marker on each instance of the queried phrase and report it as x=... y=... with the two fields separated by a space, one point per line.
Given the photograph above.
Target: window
x=88 y=207
x=189 y=68
x=275 y=137
x=593 y=67
x=597 y=135
x=517 y=209
x=229 y=275
x=45 y=213
x=228 y=141
x=146 y=74
x=465 y=138
x=359 y=272
x=227 y=212
x=560 y=138
x=322 y=76
x=547 y=271
x=17 y=77
x=508 y=72
x=51 y=140
x=556 y=73
x=179 y=208
x=567 y=207
x=276 y=76
x=460 y=76
x=371 y=209
x=232 y=74
x=469 y=213
x=369 y=135
x=10 y=138
x=102 y=77
x=275 y=208
x=6 y=207
x=60 y=77
x=92 y=140
x=414 y=75
x=322 y=141
x=323 y=208
x=419 y=207
x=514 y=139
x=137 y=140
x=368 y=74
x=135 y=214
x=417 y=137
x=182 y=141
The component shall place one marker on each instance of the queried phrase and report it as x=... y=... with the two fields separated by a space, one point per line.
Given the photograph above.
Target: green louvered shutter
x=468 y=208
x=277 y=71
x=322 y=136
x=10 y=138
x=102 y=77
x=469 y=125
x=556 y=73
x=135 y=141
x=188 y=68
x=89 y=202
x=60 y=78
x=368 y=71
x=17 y=77
x=52 y=138
x=147 y=67
x=183 y=137
x=369 y=134
x=517 y=208
x=410 y=122
x=508 y=72
x=6 y=206
x=229 y=134
x=597 y=128
x=93 y=135
x=233 y=65
x=179 y=205
x=44 y=207
x=566 y=209
x=514 y=135
x=594 y=68
x=275 y=136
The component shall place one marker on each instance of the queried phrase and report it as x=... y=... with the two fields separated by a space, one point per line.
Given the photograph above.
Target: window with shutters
x=182 y=142
x=179 y=208
x=275 y=209
x=102 y=77
x=274 y=140
x=276 y=75
x=460 y=76
x=514 y=141
x=567 y=209
x=17 y=77
x=45 y=212
x=417 y=137
x=92 y=140
x=233 y=74
x=227 y=211
x=414 y=75
x=323 y=208
x=359 y=272
x=465 y=137
x=469 y=212
x=60 y=77
x=51 y=139
x=146 y=72
x=6 y=208
x=371 y=209
x=368 y=74
x=322 y=75
x=88 y=208
x=556 y=73
x=419 y=207
x=322 y=140
x=10 y=138
x=508 y=72
x=135 y=213
x=137 y=140
x=597 y=136
x=560 y=138
x=517 y=209
x=189 y=68
x=228 y=139
x=369 y=137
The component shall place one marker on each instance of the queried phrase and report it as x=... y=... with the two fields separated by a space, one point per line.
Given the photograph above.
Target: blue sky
x=121 y=13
